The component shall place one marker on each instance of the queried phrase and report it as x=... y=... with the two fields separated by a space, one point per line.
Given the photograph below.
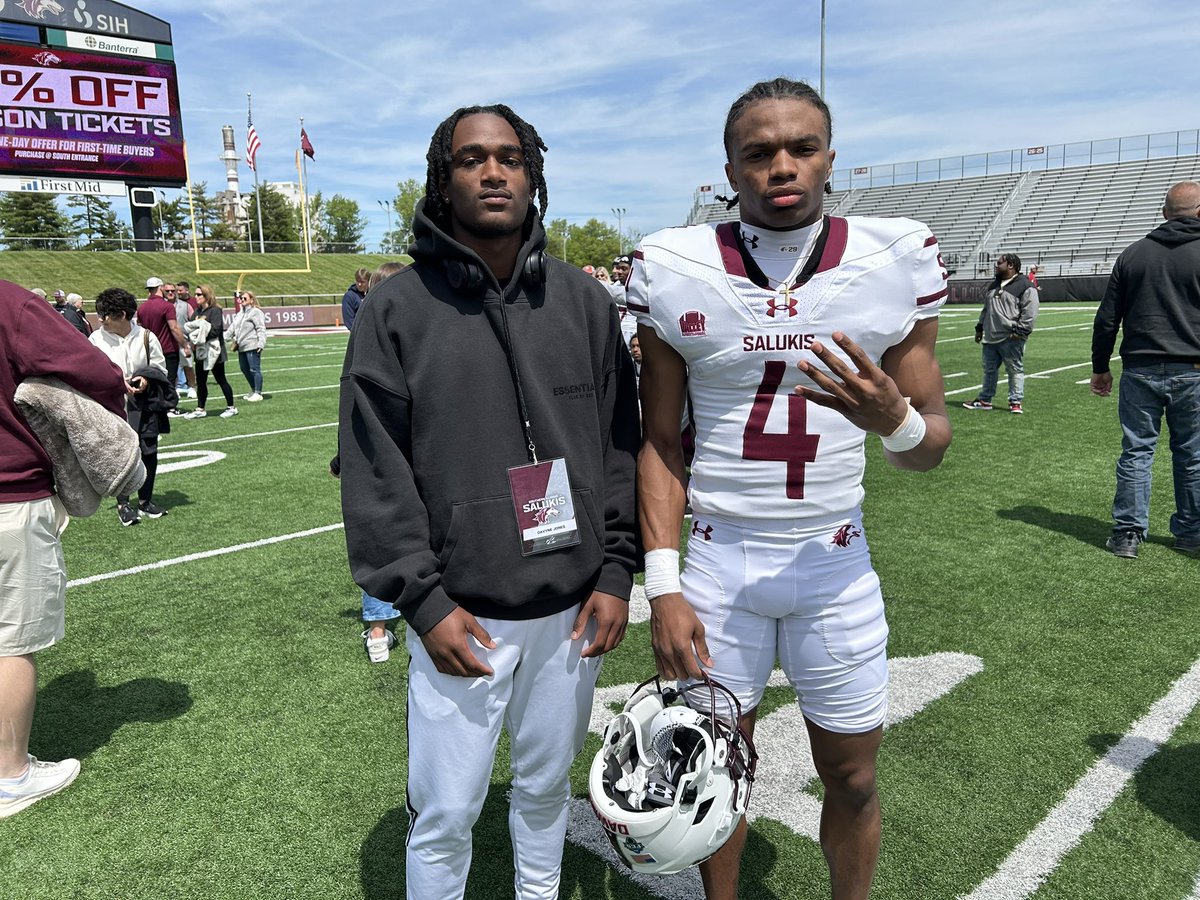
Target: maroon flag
x=306 y=144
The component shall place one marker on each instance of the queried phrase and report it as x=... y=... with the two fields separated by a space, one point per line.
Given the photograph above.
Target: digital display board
x=69 y=113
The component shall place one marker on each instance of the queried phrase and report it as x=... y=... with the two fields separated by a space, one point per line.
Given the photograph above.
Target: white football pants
x=541 y=693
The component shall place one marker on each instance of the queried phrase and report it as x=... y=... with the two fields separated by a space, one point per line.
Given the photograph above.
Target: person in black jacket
x=1154 y=295
x=489 y=430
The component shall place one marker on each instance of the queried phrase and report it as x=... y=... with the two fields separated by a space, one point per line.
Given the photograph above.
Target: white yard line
x=1031 y=863
x=271 y=356
x=207 y=554
x=971 y=337
x=1195 y=894
x=242 y=437
x=1034 y=375
x=302 y=368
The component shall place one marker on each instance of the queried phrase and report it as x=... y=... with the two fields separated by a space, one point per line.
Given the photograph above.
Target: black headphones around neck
x=469 y=277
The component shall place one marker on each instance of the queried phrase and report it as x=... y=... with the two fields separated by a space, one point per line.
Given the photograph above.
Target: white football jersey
x=761 y=451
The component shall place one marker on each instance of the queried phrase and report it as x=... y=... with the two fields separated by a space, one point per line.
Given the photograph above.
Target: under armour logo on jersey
x=789 y=303
x=750 y=240
x=705 y=532
x=845 y=534
x=691 y=324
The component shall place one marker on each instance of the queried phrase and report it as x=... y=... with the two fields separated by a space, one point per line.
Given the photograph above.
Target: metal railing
x=1159 y=145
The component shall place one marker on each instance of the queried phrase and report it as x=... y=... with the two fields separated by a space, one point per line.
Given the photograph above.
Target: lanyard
x=510 y=352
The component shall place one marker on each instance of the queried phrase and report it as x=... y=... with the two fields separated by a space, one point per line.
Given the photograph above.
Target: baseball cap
x=59 y=294
x=153 y=282
x=628 y=260
x=591 y=270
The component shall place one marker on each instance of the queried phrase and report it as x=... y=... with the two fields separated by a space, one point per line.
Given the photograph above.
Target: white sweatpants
x=541 y=693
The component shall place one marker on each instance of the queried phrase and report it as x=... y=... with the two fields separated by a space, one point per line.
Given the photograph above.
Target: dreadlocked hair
x=440 y=156
x=776 y=89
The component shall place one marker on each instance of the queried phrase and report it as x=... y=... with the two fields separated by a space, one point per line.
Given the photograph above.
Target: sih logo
x=46 y=58
x=789 y=303
x=705 y=532
x=82 y=16
x=691 y=324
x=845 y=534
x=38 y=8
x=751 y=241
x=542 y=516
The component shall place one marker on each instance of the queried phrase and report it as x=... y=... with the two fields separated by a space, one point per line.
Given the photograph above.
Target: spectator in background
x=72 y=312
x=1033 y=270
x=386 y=270
x=1154 y=295
x=215 y=356
x=620 y=269
x=249 y=330
x=353 y=297
x=157 y=315
x=185 y=308
x=602 y=276
x=39 y=292
x=137 y=353
x=34 y=341
x=1010 y=307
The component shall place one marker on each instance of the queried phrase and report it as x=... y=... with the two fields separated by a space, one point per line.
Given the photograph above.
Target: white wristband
x=662 y=573
x=909 y=434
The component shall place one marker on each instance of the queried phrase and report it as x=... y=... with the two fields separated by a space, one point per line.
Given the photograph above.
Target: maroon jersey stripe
x=835 y=244
x=921 y=301
x=930 y=241
x=731 y=256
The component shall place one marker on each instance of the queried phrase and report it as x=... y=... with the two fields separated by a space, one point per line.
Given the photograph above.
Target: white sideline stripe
x=1036 y=375
x=272 y=393
x=955 y=375
x=1031 y=863
x=971 y=337
x=241 y=437
x=306 y=368
x=207 y=554
x=272 y=356
x=1195 y=894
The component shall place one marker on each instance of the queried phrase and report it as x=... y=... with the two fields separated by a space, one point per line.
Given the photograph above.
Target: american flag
x=252 y=143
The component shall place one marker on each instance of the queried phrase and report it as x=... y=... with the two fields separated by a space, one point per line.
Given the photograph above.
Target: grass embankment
x=88 y=273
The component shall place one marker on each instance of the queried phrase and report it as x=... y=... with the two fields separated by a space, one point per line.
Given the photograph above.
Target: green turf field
x=237 y=744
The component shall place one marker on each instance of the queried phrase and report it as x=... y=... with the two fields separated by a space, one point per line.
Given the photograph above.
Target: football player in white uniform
x=794 y=335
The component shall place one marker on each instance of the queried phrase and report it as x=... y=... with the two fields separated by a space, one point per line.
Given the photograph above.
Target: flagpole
x=304 y=187
x=257 y=196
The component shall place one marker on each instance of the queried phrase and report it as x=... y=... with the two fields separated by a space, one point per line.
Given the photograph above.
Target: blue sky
x=631 y=97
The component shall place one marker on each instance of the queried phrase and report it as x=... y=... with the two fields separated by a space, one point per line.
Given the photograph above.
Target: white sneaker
x=378 y=648
x=196 y=414
x=254 y=398
x=41 y=780
x=229 y=413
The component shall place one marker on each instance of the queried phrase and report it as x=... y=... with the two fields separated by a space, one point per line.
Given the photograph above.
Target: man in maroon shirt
x=34 y=341
x=157 y=315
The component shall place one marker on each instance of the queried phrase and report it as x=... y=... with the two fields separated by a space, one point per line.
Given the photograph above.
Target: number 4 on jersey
x=794 y=447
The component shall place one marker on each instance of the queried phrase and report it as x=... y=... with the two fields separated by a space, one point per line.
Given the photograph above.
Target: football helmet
x=673 y=778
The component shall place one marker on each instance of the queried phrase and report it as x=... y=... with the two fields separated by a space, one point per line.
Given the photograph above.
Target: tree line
x=35 y=221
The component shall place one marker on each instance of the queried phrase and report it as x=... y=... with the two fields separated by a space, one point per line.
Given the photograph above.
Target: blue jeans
x=375 y=610
x=1012 y=354
x=1146 y=392
x=251 y=365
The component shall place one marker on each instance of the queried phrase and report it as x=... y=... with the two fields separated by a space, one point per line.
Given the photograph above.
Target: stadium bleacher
x=1073 y=219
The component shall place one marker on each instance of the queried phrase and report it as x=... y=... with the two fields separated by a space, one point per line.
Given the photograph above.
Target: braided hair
x=441 y=154
x=776 y=89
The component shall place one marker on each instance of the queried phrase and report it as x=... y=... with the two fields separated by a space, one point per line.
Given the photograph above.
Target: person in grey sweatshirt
x=1010 y=307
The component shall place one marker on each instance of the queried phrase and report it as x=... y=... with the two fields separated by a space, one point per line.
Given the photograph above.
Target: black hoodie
x=430 y=426
x=1154 y=293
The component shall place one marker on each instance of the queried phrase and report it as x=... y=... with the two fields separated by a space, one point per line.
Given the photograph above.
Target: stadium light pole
x=387 y=207
x=162 y=229
x=619 y=212
x=822 y=49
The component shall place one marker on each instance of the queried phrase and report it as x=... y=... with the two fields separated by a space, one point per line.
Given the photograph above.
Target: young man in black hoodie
x=1154 y=294
x=489 y=430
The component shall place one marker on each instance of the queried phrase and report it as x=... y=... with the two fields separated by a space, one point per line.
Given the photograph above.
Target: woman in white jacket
x=134 y=349
x=249 y=338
